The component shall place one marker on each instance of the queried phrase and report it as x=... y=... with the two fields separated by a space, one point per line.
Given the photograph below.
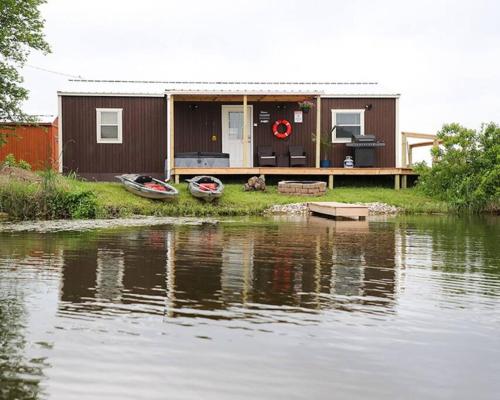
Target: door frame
x=239 y=107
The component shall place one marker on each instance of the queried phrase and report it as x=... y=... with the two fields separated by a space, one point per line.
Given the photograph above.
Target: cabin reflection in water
x=208 y=270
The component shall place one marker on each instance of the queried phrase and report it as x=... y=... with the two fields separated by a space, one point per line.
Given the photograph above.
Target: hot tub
x=201 y=160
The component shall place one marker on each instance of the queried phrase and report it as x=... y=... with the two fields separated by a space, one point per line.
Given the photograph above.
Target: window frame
x=334 y=123
x=119 y=124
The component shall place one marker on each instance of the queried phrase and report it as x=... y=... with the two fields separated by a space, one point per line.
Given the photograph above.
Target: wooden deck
x=399 y=174
x=335 y=210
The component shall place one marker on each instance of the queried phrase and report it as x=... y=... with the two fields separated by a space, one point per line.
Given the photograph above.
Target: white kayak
x=148 y=187
x=205 y=187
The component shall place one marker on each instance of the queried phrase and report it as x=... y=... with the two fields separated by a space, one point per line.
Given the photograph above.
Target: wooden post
x=410 y=156
x=330 y=181
x=435 y=144
x=171 y=161
x=404 y=181
x=177 y=179
x=397 y=181
x=318 y=130
x=245 y=132
x=404 y=150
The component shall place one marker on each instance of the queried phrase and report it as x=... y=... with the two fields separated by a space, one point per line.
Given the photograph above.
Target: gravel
x=290 y=209
x=302 y=209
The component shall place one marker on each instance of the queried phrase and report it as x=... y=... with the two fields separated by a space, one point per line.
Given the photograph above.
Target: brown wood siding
x=194 y=127
x=301 y=132
x=380 y=121
x=144 y=147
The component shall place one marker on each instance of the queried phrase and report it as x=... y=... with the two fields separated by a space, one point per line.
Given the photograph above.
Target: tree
x=21 y=31
x=466 y=171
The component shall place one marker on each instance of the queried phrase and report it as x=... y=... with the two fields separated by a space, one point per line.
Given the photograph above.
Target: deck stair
x=330 y=209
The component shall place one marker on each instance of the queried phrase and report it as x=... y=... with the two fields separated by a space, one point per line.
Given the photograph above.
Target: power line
x=76 y=77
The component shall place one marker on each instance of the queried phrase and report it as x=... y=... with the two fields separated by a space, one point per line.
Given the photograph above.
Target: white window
x=347 y=123
x=109 y=125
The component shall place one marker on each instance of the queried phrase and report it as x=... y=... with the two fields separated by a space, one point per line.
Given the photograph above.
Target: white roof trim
x=112 y=94
x=366 y=95
x=232 y=93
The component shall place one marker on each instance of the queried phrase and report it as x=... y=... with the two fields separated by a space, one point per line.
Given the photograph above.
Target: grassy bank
x=53 y=196
x=114 y=201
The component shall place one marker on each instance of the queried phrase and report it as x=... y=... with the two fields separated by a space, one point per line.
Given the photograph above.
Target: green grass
x=114 y=201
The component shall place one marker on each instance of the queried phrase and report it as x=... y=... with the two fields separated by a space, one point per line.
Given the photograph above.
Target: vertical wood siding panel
x=379 y=121
x=144 y=136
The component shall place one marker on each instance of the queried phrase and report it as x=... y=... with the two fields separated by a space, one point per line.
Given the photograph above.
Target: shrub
x=466 y=171
x=10 y=161
x=30 y=202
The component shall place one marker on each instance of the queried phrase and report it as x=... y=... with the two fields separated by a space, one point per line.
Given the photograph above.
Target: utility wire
x=54 y=72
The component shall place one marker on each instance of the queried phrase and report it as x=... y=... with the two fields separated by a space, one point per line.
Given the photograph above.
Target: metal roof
x=160 y=88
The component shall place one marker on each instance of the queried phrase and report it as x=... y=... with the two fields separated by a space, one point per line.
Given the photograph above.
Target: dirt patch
x=18 y=174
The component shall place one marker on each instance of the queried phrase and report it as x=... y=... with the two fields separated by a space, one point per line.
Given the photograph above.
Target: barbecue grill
x=364 y=150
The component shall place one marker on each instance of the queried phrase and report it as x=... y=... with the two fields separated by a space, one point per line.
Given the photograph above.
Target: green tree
x=466 y=171
x=21 y=31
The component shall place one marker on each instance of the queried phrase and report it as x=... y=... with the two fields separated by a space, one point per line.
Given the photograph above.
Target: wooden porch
x=400 y=174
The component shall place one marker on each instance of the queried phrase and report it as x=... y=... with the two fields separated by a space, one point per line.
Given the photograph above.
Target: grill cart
x=364 y=150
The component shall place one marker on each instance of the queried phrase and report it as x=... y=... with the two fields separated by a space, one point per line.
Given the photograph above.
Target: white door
x=232 y=135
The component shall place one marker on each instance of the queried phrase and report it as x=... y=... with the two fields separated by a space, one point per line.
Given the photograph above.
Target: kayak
x=148 y=187
x=205 y=187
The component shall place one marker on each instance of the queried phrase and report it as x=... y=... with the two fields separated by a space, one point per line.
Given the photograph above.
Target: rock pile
x=289 y=209
x=303 y=209
x=381 y=208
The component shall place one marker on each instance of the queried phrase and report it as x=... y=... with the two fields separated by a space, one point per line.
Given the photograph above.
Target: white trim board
x=59 y=134
x=334 y=112
x=119 y=139
x=108 y=94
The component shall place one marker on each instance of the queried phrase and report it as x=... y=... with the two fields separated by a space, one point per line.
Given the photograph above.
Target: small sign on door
x=298 y=117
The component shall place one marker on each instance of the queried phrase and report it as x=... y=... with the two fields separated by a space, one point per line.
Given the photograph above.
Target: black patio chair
x=267 y=157
x=298 y=156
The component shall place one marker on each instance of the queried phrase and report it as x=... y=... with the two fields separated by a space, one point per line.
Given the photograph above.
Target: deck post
x=245 y=131
x=435 y=145
x=404 y=181
x=171 y=161
x=404 y=150
x=330 y=181
x=318 y=130
x=397 y=181
x=176 y=179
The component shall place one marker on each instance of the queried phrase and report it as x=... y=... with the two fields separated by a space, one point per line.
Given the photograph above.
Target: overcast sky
x=442 y=56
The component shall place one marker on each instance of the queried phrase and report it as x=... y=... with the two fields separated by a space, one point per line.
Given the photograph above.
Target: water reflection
x=192 y=271
x=62 y=295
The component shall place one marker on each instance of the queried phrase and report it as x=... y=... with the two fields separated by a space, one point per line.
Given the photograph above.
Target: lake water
x=405 y=308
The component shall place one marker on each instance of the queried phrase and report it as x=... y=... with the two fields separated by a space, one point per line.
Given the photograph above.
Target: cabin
x=35 y=143
x=174 y=129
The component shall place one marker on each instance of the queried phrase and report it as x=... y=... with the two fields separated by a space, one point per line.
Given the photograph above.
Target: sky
x=443 y=57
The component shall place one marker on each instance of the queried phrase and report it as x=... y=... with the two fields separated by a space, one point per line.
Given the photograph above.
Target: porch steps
x=331 y=209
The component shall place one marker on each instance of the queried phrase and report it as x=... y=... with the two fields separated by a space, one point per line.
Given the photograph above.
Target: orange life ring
x=282 y=135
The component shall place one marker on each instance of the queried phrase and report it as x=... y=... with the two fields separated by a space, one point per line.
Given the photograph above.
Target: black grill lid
x=364 y=138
